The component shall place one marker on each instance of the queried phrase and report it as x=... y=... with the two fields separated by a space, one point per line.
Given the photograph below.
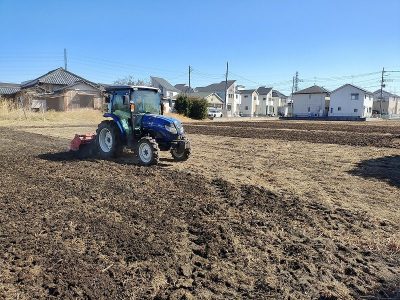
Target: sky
x=329 y=42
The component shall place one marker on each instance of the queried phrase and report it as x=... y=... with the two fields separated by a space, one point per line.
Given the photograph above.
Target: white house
x=386 y=104
x=213 y=99
x=266 y=106
x=168 y=91
x=281 y=103
x=249 y=102
x=311 y=102
x=351 y=101
x=231 y=98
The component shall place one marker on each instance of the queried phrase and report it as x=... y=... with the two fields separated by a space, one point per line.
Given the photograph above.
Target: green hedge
x=192 y=107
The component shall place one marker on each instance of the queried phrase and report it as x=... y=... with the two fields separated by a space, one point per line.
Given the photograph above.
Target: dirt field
x=262 y=210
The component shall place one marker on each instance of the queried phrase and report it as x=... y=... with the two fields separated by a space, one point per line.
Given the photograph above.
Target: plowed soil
x=94 y=229
x=326 y=133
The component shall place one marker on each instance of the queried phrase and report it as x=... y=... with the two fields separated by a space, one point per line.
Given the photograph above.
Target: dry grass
x=10 y=115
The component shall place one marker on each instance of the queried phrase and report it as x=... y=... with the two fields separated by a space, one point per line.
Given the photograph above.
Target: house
x=266 y=107
x=8 y=90
x=168 y=92
x=184 y=88
x=213 y=99
x=231 y=98
x=59 y=90
x=281 y=103
x=249 y=102
x=351 y=101
x=311 y=102
x=389 y=105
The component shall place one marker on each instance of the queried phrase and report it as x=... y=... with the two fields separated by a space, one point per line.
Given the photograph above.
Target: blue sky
x=266 y=42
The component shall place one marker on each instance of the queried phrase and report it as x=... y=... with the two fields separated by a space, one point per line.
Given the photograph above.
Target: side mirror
x=107 y=99
x=126 y=99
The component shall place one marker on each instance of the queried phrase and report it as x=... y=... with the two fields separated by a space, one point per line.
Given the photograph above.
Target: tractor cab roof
x=112 y=88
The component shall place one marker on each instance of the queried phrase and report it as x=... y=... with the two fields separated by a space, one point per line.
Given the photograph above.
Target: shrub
x=198 y=108
x=191 y=107
x=182 y=105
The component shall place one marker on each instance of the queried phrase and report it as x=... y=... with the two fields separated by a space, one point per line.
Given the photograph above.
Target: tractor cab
x=142 y=99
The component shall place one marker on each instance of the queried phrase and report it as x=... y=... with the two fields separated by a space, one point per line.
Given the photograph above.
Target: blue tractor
x=138 y=123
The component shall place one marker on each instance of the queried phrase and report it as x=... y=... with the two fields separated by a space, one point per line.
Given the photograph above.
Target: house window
x=236 y=96
x=309 y=109
x=229 y=107
x=230 y=96
x=354 y=96
x=355 y=110
x=369 y=109
x=331 y=109
x=339 y=108
x=246 y=108
x=264 y=98
x=255 y=98
x=246 y=96
x=273 y=109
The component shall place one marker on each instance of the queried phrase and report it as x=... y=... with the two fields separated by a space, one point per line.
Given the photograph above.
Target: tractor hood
x=151 y=122
x=159 y=119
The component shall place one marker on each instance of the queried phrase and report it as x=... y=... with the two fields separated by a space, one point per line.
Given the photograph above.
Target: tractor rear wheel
x=108 y=140
x=147 y=151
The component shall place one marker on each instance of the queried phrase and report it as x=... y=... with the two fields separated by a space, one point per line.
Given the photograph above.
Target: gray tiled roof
x=58 y=76
x=215 y=87
x=9 y=88
x=315 y=89
x=387 y=94
x=183 y=88
x=242 y=92
x=77 y=82
x=262 y=90
x=276 y=93
x=204 y=94
x=165 y=84
x=354 y=86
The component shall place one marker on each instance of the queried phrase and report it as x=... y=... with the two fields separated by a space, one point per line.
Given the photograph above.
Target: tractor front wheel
x=147 y=151
x=180 y=153
x=108 y=140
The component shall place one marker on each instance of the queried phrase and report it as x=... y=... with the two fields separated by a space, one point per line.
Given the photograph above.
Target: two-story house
x=311 y=102
x=266 y=106
x=281 y=103
x=386 y=104
x=249 y=102
x=167 y=90
x=351 y=101
x=231 y=97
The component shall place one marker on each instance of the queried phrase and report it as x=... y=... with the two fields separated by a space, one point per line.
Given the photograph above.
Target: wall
x=264 y=107
x=309 y=105
x=390 y=105
x=342 y=98
x=234 y=101
x=246 y=106
x=214 y=101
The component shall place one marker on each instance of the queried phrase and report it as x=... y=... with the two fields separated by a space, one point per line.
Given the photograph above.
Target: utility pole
x=382 y=86
x=65 y=59
x=190 y=71
x=226 y=85
x=296 y=81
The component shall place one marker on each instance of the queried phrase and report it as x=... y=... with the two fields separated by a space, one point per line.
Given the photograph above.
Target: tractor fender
x=116 y=120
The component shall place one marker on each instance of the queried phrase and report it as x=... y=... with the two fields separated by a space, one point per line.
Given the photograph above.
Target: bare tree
x=130 y=80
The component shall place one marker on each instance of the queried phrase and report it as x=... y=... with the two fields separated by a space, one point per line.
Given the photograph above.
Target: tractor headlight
x=171 y=128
